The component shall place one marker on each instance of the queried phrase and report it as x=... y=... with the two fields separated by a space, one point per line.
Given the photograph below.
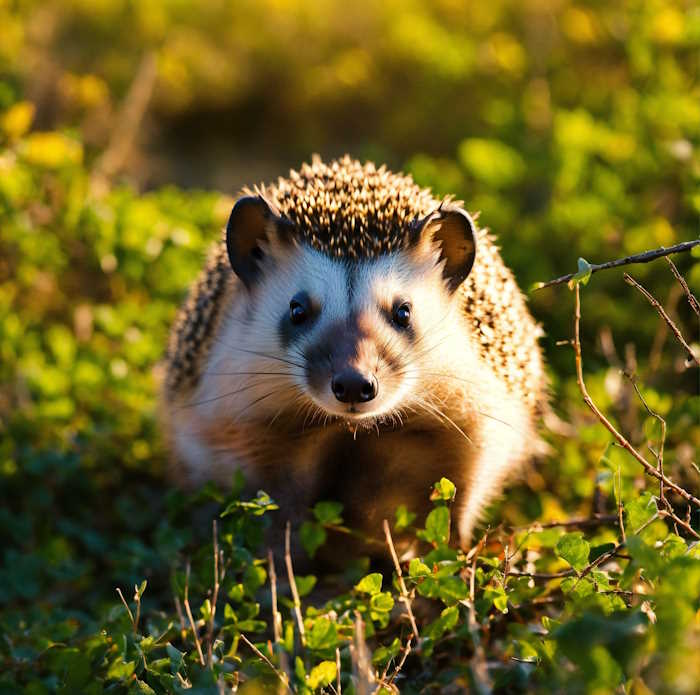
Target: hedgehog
x=352 y=337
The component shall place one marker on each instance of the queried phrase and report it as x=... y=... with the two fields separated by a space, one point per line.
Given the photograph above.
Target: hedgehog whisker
x=259 y=354
x=255 y=402
x=224 y=395
x=281 y=410
x=449 y=420
x=251 y=374
x=477 y=410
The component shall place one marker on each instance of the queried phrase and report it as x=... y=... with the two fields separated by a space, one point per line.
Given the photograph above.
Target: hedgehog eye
x=298 y=310
x=402 y=315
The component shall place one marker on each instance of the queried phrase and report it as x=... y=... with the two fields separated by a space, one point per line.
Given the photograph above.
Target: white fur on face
x=253 y=375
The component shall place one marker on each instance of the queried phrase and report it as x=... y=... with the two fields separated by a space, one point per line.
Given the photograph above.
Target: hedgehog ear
x=252 y=223
x=454 y=232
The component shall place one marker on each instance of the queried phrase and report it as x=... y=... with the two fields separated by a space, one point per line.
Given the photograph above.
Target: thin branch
x=215 y=595
x=404 y=655
x=595 y=520
x=338 y=686
x=692 y=300
x=660 y=453
x=406 y=600
x=542 y=576
x=620 y=516
x=276 y=615
x=645 y=257
x=276 y=618
x=128 y=610
x=188 y=610
x=662 y=312
x=127 y=124
x=650 y=470
x=293 y=583
x=258 y=653
x=364 y=676
x=479 y=664
x=137 y=599
x=181 y=617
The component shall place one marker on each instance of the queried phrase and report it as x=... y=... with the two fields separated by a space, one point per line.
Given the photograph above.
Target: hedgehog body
x=352 y=337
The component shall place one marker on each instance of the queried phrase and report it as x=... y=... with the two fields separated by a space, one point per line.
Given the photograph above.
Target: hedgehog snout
x=349 y=385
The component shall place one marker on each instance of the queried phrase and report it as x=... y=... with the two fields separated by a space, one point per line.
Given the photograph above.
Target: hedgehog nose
x=351 y=386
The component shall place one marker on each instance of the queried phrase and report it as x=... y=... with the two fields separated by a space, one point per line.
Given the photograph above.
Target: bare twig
x=662 y=312
x=595 y=520
x=293 y=584
x=188 y=610
x=338 y=686
x=479 y=666
x=127 y=124
x=660 y=453
x=276 y=616
x=215 y=595
x=645 y=257
x=620 y=516
x=137 y=599
x=128 y=610
x=542 y=576
x=181 y=617
x=651 y=470
x=405 y=598
x=362 y=665
x=258 y=653
x=692 y=300
x=404 y=655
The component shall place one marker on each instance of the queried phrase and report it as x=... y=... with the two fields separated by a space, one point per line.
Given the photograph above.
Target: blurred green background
x=127 y=129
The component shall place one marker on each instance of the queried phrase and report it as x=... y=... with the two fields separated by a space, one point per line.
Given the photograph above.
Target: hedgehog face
x=354 y=339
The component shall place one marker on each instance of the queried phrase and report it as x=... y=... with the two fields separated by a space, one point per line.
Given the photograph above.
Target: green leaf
x=205 y=610
x=573 y=548
x=497 y=596
x=328 y=513
x=583 y=274
x=381 y=602
x=258 y=506
x=447 y=620
x=254 y=577
x=322 y=675
x=404 y=518
x=444 y=490
x=144 y=688
x=176 y=657
x=383 y=654
x=312 y=536
x=416 y=568
x=305 y=584
x=371 y=584
x=120 y=669
x=323 y=634
x=639 y=511
x=437 y=527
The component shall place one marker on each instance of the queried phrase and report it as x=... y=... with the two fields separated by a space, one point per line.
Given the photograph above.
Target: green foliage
x=483 y=100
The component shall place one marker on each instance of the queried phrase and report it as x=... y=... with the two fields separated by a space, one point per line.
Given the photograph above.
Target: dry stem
x=215 y=595
x=645 y=257
x=405 y=598
x=681 y=280
x=128 y=610
x=258 y=653
x=188 y=610
x=649 y=469
x=662 y=312
x=293 y=584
